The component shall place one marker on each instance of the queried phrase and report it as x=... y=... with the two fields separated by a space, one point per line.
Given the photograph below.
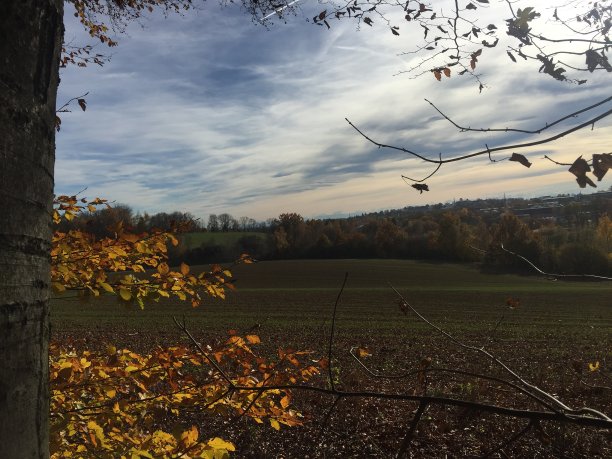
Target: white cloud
x=209 y=113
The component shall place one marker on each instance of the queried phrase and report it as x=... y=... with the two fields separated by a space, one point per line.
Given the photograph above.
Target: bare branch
x=577 y=419
x=557 y=276
x=327 y=417
x=423 y=179
x=524 y=131
x=488 y=150
x=511 y=440
x=331 y=334
x=182 y=326
x=556 y=162
x=536 y=390
x=591 y=122
x=452 y=371
x=413 y=425
x=64 y=109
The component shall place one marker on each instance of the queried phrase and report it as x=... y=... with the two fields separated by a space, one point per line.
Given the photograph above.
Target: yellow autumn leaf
x=97 y=431
x=184 y=269
x=594 y=366
x=106 y=287
x=285 y=401
x=253 y=339
x=363 y=352
x=125 y=294
x=110 y=393
x=189 y=437
x=274 y=423
x=102 y=374
x=159 y=436
x=219 y=443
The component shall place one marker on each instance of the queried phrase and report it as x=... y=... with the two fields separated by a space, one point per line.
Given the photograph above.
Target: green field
x=225 y=239
x=284 y=296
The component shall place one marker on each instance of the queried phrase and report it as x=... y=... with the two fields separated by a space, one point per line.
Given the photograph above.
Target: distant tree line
x=225 y=222
x=106 y=221
x=585 y=246
x=578 y=240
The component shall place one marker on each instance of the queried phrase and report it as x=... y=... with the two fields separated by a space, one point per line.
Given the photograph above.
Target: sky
x=211 y=112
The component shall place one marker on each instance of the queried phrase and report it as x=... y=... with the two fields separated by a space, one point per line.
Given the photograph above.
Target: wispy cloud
x=211 y=113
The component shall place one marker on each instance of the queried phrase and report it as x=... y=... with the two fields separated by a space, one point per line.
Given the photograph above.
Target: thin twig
x=496 y=327
x=556 y=162
x=557 y=276
x=524 y=131
x=423 y=179
x=453 y=371
x=64 y=109
x=184 y=329
x=487 y=150
x=566 y=418
x=561 y=406
x=326 y=418
x=413 y=425
x=511 y=440
x=331 y=335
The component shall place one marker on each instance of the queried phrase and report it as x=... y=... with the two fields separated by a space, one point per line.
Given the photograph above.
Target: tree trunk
x=30 y=43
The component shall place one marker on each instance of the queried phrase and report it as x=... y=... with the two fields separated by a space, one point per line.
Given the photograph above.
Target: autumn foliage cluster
x=81 y=261
x=119 y=403
x=126 y=404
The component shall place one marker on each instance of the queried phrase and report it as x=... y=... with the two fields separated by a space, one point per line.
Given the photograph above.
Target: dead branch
x=183 y=327
x=511 y=440
x=554 y=275
x=578 y=419
x=487 y=150
x=64 y=108
x=556 y=162
x=565 y=410
x=408 y=374
x=331 y=334
x=524 y=131
x=413 y=425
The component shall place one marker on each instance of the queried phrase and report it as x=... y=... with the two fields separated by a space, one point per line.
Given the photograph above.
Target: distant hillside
x=600 y=202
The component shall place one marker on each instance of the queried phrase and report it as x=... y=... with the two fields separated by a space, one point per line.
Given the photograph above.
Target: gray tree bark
x=30 y=44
